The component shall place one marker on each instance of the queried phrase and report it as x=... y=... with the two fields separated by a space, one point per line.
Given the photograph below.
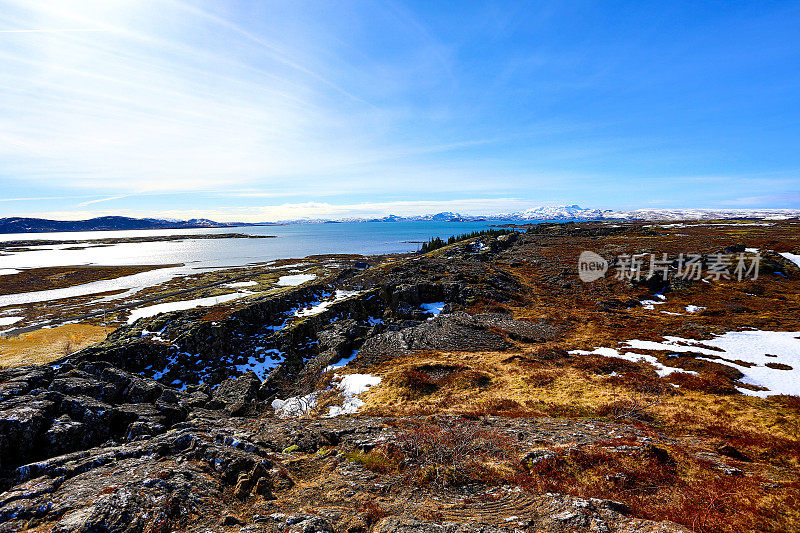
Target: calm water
x=292 y=241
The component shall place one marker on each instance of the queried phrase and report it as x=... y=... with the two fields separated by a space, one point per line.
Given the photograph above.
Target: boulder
x=20 y=429
x=233 y=392
x=453 y=332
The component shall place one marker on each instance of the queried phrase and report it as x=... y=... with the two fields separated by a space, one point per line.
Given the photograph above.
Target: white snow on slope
x=319 y=306
x=152 y=310
x=649 y=304
x=8 y=320
x=131 y=284
x=694 y=308
x=8 y=271
x=270 y=359
x=794 y=258
x=294 y=280
x=756 y=347
x=661 y=370
x=295 y=405
x=342 y=362
x=351 y=386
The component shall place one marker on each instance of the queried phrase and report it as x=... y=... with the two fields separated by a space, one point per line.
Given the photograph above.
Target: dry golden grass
x=702 y=414
x=695 y=493
x=520 y=384
x=45 y=345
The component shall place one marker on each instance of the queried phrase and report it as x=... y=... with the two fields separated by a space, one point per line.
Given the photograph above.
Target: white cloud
x=101 y=99
x=169 y=97
x=311 y=210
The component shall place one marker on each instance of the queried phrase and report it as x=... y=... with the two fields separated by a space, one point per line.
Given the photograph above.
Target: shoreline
x=29 y=244
x=112 y=307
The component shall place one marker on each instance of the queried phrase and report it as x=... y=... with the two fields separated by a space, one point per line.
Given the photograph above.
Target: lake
x=292 y=241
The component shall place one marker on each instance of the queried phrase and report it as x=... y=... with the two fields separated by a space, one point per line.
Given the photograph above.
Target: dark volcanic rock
x=454 y=332
x=234 y=392
x=21 y=427
x=74 y=409
x=190 y=478
x=521 y=330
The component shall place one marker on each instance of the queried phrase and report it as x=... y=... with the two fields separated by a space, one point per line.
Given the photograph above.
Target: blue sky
x=259 y=110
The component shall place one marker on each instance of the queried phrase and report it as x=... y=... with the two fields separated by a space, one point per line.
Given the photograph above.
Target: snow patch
x=351 y=386
x=8 y=271
x=130 y=284
x=342 y=362
x=153 y=310
x=170 y=361
x=694 y=308
x=319 y=306
x=755 y=347
x=294 y=280
x=295 y=405
x=8 y=320
x=794 y=258
x=748 y=346
x=263 y=363
x=661 y=370
x=650 y=304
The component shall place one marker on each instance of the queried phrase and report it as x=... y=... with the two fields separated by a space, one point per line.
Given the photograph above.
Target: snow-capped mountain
x=564 y=212
x=446 y=216
x=702 y=214
x=576 y=212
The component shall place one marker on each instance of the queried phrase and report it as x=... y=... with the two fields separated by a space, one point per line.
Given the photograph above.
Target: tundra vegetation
x=505 y=395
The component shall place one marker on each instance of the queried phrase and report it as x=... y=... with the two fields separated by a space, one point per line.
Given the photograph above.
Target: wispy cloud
x=55 y=30
x=40 y=198
x=214 y=101
x=235 y=101
x=314 y=210
x=100 y=200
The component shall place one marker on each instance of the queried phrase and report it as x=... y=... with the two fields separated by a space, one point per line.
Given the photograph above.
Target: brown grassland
x=724 y=462
x=45 y=345
x=699 y=415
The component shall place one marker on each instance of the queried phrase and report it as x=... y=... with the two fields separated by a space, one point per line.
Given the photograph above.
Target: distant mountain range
x=554 y=213
x=41 y=225
x=575 y=212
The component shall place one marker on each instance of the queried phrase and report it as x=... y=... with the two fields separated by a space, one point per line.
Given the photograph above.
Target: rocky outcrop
x=278 y=336
x=124 y=389
x=220 y=473
x=454 y=332
x=236 y=394
x=58 y=410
